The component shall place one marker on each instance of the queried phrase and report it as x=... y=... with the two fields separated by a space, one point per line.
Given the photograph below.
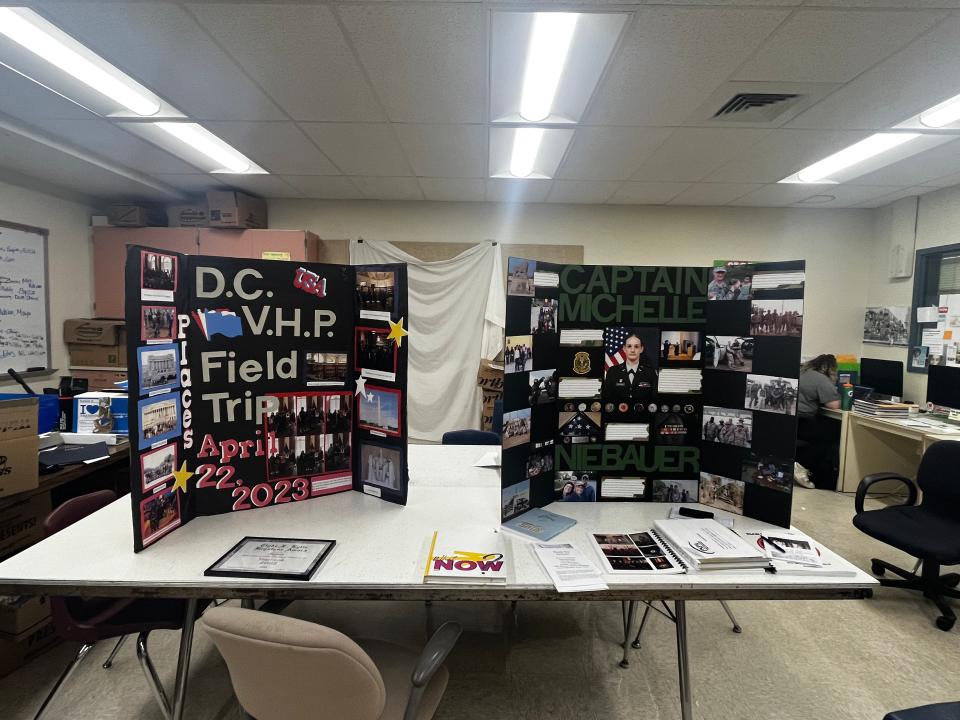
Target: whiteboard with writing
x=24 y=324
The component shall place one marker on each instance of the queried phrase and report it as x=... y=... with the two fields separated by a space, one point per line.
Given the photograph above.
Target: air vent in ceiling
x=748 y=107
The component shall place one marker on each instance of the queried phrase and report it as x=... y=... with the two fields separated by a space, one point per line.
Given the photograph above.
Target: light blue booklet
x=539 y=524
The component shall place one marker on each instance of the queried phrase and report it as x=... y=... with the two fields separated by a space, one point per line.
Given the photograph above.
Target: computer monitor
x=943 y=386
x=884 y=376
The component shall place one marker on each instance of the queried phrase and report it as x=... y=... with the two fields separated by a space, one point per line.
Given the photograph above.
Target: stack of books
x=707 y=545
x=882 y=408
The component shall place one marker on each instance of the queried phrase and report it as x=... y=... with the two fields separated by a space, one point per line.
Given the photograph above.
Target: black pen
x=773 y=544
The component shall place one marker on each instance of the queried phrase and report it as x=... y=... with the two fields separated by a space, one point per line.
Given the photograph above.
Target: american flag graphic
x=613 y=339
x=580 y=424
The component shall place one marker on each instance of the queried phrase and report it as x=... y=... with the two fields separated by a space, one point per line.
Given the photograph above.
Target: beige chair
x=283 y=668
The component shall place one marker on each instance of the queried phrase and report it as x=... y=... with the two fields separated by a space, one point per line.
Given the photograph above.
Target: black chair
x=470 y=437
x=937 y=711
x=929 y=531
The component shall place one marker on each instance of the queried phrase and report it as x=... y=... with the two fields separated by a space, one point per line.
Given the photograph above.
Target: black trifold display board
x=261 y=382
x=661 y=384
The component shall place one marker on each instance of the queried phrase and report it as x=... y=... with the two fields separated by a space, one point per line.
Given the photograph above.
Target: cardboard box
x=85 y=331
x=100 y=412
x=17 y=650
x=490 y=376
x=99 y=379
x=20 y=613
x=188 y=215
x=98 y=355
x=18 y=446
x=144 y=215
x=234 y=209
x=21 y=524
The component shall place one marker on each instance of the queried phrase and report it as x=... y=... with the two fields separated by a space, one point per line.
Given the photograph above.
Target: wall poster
x=652 y=384
x=261 y=382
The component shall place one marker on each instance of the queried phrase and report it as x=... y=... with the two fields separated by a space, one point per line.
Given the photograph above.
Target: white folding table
x=380 y=552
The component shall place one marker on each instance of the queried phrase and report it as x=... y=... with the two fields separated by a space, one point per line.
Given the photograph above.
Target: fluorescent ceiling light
x=31 y=31
x=857 y=153
x=526 y=147
x=941 y=115
x=205 y=142
x=550 y=40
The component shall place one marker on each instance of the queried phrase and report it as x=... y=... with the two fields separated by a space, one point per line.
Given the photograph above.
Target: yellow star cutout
x=181 y=476
x=397 y=332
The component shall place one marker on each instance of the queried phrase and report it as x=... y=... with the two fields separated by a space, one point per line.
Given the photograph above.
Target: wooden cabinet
x=110 y=253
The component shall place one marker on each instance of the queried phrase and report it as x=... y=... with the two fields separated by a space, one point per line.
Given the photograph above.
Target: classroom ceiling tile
x=647 y=193
x=713 y=193
x=914 y=191
x=195 y=183
x=24 y=98
x=324 y=187
x=782 y=153
x=918 y=169
x=515 y=191
x=842 y=196
x=453 y=189
x=272 y=186
x=908 y=4
x=298 y=54
x=446 y=151
x=160 y=45
x=581 y=191
x=425 y=61
x=780 y=195
x=281 y=148
x=609 y=153
x=690 y=154
x=672 y=57
x=833 y=46
x=921 y=75
x=389 y=188
x=360 y=149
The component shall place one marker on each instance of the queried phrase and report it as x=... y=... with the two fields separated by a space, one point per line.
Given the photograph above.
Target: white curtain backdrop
x=456 y=317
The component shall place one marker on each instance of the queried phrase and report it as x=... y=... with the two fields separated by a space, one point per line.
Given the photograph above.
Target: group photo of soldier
x=375 y=351
x=375 y=291
x=887 y=325
x=157 y=466
x=515 y=499
x=520 y=276
x=771 y=394
x=156 y=322
x=543 y=386
x=781 y=318
x=721 y=492
x=727 y=426
x=731 y=281
x=158 y=272
x=518 y=354
x=543 y=316
x=516 y=428
x=325 y=367
x=675 y=490
x=159 y=513
x=768 y=473
x=728 y=352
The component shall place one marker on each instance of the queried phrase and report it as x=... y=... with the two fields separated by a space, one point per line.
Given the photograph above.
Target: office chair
x=283 y=668
x=470 y=437
x=89 y=620
x=937 y=711
x=929 y=531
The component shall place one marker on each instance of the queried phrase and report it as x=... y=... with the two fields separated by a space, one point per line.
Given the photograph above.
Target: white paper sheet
x=489 y=459
x=568 y=568
x=928 y=314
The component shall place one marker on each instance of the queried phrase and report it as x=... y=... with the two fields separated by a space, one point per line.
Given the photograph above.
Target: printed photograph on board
x=159 y=419
x=159 y=367
x=730 y=280
x=771 y=394
x=325 y=368
x=681 y=491
x=309 y=414
x=630 y=365
x=157 y=466
x=540 y=462
x=159 y=514
x=379 y=410
x=721 y=492
x=518 y=354
x=769 y=473
x=887 y=325
x=675 y=427
x=515 y=499
x=778 y=318
x=158 y=276
x=376 y=356
x=570 y=486
x=380 y=466
x=520 y=274
x=728 y=352
x=543 y=316
x=727 y=426
x=516 y=428
x=543 y=386
x=375 y=295
x=291 y=457
x=679 y=346
x=156 y=322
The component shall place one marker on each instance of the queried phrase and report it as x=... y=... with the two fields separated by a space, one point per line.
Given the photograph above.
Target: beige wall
x=69 y=263
x=938 y=223
x=835 y=243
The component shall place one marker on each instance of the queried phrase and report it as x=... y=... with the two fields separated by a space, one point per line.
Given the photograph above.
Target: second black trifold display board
x=657 y=384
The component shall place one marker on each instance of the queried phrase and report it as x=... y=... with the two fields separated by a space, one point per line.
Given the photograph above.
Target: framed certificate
x=272 y=558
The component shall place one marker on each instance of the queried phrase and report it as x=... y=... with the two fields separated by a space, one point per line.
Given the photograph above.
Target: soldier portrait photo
x=727 y=426
x=782 y=318
x=771 y=394
x=630 y=363
x=731 y=281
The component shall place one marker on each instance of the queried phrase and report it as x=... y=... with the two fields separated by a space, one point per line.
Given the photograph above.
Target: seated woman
x=817 y=438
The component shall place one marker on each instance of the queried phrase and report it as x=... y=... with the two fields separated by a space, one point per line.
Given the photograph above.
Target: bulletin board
x=652 y=384
x=24 y=315
x=259 y=382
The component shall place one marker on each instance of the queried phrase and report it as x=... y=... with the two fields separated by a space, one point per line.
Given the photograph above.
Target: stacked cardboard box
x=490 y=380
x=19 y=470
x=98 y=351
x=16 y=650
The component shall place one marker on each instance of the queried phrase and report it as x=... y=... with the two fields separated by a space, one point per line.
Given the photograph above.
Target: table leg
x=683 y=662
x=183 y=660
x=629 y=616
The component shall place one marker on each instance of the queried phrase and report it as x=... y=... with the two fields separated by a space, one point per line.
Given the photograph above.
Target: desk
x=379 y=555
x=870 y=444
